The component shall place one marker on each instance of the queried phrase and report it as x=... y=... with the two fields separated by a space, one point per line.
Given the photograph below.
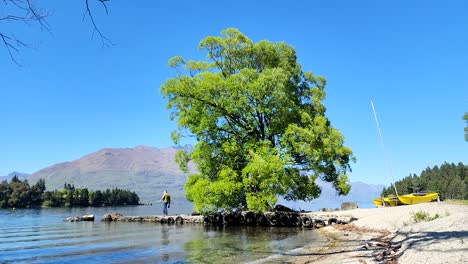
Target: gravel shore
x=391 y=235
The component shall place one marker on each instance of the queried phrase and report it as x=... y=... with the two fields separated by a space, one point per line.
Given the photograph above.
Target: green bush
x=48 y=203
x=422 y=216
x=19 y=194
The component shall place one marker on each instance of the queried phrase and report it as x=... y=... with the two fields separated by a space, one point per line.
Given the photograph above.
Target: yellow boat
x=386 y=201
x=416 y=198
x=406 y=199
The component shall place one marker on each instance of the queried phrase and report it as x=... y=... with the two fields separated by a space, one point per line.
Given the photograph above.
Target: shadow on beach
x=421 y=240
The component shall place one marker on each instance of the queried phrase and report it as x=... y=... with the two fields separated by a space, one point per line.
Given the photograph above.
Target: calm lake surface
x=41 y=236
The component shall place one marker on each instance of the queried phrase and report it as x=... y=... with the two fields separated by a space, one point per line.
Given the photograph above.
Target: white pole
x=383 y=147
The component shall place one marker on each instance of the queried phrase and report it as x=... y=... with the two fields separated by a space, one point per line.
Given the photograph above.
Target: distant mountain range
x=361 y=193
x=20 y=175
x=149 y=171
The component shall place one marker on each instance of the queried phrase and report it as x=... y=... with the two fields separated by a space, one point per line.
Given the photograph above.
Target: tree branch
x=105 y=41
x=13 y=45
x=29 y=13
x=24 y=11
x=232 y=119
x=104 y=4
x=40 y=18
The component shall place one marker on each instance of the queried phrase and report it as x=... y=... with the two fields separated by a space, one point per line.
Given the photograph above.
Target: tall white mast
x=383 y=147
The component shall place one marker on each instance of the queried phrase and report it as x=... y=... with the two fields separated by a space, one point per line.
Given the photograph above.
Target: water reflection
x=164 y=242
x=41 y=236
x=241 y=244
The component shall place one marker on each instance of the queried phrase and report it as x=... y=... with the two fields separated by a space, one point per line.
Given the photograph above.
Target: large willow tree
x=259 y=122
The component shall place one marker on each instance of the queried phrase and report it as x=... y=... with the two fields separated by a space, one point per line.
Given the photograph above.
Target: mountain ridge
x=20 y=175
x=148 y=171
x=145 y=170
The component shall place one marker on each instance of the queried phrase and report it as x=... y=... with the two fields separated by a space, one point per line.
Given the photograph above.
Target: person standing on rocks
x=166 y=198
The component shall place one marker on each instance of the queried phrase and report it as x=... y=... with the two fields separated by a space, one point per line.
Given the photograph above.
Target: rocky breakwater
x=273 y=218
x=317 y=220
x=174 y=219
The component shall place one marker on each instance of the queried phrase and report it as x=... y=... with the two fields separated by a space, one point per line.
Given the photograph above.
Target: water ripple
x=35 y=236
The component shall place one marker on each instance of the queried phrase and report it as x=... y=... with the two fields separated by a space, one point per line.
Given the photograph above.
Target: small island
x=19 y=194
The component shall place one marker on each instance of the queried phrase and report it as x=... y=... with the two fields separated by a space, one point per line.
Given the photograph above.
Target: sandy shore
x=390 y=235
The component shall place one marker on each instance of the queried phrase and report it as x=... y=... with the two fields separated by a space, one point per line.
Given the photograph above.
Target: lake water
x=41 y=236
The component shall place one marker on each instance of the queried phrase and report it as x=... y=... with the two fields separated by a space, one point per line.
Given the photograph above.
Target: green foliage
x=5 y=192
x=259 y=122
x=450 y=181
x=421 y=216
x=464 y=202
x=465 y=117
x=40 y=185
x=18 y=194
x=95 y=198
x=48 y=203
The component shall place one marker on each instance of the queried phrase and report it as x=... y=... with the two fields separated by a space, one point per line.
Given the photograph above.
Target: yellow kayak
x=416 y=198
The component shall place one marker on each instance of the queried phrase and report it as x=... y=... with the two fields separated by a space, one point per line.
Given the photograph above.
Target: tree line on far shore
x=19 y=194
x=450 y=181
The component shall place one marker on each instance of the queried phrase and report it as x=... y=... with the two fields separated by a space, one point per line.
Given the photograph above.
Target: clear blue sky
x=73 y=97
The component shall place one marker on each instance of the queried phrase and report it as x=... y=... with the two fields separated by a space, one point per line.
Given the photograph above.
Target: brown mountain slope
x=146 y=170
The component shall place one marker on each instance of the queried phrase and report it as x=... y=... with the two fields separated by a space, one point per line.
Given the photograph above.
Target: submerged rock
x=109 y=217
x=72 y=219
x=87 y=218
x=80 y=218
